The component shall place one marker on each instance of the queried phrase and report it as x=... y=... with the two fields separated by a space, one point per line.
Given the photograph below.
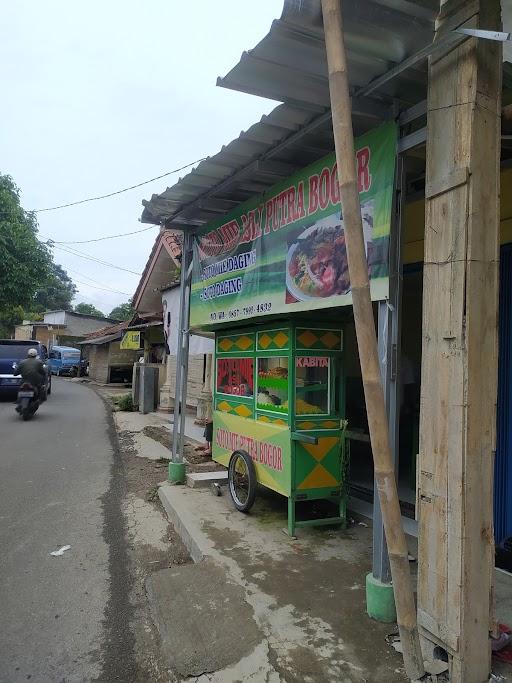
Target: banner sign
x=130 y=340
x=284 y=251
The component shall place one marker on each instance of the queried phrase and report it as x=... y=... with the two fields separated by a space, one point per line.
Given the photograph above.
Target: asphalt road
x=62 y=618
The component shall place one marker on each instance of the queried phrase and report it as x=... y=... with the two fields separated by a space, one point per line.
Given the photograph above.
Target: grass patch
x=124 y=402
x=152 y=494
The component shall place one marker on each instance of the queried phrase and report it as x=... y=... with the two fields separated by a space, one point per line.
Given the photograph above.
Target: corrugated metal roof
x=97 y=341
x=387 y=41
x=214 y=182
x=108 y=330
x=287 y=139
x=289 y=64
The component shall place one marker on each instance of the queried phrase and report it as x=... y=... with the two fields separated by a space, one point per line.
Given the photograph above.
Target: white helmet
x=31 y=353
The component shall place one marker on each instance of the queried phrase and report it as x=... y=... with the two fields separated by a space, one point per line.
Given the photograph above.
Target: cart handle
x=305 y=438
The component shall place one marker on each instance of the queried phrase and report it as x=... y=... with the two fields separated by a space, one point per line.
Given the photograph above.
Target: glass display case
x=312 y=385
x=272 y=383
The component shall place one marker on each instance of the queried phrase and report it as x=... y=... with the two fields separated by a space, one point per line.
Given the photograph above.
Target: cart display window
x=312 y=385
x=272 y=389
x=235 y=376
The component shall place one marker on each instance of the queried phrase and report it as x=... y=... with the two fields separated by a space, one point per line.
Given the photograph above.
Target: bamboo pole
x=367 y=340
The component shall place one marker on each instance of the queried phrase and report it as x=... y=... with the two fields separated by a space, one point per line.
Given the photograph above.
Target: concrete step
x=204 y=479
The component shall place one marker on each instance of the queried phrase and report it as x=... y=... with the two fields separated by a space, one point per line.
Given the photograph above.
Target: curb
x=196 y=542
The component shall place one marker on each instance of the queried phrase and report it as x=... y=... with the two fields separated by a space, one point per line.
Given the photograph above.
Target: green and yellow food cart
x=279 y=414
x=270 y=279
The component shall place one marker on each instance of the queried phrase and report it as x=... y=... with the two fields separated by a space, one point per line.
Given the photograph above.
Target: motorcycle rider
x=32 y=371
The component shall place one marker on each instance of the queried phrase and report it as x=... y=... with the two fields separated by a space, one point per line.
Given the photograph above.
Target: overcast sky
x=101 y=95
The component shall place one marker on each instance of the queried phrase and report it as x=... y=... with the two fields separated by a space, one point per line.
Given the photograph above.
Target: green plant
x=88 y=309
x=122 y=312
x=125 y=403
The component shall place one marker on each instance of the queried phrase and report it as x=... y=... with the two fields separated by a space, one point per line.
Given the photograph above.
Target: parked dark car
x=12 y=351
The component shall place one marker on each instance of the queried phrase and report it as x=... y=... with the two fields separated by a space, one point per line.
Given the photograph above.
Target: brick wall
x=42 y=334
x=23 y=332
x=118 y=356
x=98 y=363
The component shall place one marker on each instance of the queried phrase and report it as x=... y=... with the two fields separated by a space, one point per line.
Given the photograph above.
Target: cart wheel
x=242 y=481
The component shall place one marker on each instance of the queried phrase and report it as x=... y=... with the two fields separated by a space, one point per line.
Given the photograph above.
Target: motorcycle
x=28 y=401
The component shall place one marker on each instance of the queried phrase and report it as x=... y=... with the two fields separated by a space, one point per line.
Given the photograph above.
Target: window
x=52 y=354
x=235 y=376
x=14 y=351
x=312 y=395
x=273 y=384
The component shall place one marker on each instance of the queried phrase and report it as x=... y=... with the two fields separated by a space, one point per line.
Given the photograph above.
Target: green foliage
x=122 y=312
x=125 y=403
x=9 y=317
x=88 y=309
x=56 y=293
x=30 y=281
x=25 y=262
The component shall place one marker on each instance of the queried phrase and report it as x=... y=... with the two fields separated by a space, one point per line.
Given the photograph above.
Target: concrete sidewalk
x=110 y=391
x=136 y=422
x=258 y=605
x=261 y=606
x=128 y=420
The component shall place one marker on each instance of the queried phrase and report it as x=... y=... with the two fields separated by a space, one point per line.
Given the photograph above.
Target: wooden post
x=367 y=340
x=459 y=367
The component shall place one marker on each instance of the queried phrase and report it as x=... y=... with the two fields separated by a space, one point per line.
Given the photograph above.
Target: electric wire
x=116 y=192
x=93 y=280
x=108 y=237
x=95 y=284
x=89 y=257
x=104 y=289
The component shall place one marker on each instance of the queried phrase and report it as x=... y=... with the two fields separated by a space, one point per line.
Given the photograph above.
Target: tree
x=25 y=262
x=88 y=309
x=122 y=312
x=56 y=293
x=9 y=318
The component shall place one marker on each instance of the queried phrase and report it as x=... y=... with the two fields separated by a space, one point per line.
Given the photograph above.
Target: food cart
x=270 y=279
x=279 y=414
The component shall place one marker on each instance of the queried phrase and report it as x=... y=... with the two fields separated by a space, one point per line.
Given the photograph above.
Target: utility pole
x=367 y=339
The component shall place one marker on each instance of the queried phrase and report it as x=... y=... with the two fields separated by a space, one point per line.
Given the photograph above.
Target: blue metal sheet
x=503 y=462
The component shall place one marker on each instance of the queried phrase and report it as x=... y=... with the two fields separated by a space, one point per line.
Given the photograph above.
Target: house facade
x=61 y=328
x=108 y=362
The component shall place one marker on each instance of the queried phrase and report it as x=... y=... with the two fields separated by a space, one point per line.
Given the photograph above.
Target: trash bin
x=148 y=388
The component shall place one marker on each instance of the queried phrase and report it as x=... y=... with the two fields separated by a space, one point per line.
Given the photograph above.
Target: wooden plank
x=450 y=181
x=459 y=373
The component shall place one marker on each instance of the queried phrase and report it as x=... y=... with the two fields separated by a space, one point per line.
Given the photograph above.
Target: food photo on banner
x=284 y=251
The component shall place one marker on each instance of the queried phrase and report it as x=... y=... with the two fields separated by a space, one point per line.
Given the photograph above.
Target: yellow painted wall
x=415 y=221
